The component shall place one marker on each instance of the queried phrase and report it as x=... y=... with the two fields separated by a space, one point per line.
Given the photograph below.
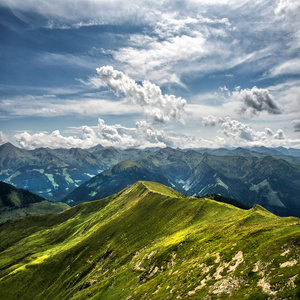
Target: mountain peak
x=160 y=189
x=8 y=145
x=10 y=149
x=125 y=164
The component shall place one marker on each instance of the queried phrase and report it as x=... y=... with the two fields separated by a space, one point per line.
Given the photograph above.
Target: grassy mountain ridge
x=149 y=241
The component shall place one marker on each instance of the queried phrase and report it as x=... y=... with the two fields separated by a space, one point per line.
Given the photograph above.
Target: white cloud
x=179 y=39
x=143 y=135
x=234 y=134
x=3 y=138
x=89 y=136
x=287 y=8
x=181 y=43
x=287 y=67
x=161 y=107
x=212 y=120
x=239 y=134
x=159 y=58
x=68 y=13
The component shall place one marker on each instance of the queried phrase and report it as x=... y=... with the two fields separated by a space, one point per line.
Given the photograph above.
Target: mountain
x=247 y=175
x=54 y=173
x=112 y=181
x=173 y=164
x=11 y=158
x=112 y=156
x=52 y=183
x=15 y=203
x=273 y=183
x=290 y=155
x=151 y=242
x=270 y=182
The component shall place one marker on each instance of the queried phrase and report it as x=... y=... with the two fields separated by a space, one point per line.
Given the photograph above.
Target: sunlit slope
x=149 y=241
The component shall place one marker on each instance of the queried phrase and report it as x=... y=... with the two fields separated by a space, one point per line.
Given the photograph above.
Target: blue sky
x=187 y=74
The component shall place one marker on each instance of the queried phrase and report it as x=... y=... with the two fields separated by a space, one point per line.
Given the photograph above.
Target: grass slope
x=150 y=242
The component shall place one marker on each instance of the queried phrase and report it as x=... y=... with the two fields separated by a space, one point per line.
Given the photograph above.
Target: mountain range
x=267 y=176
x=16 y=203
x=151 y=242
x=271 y=182
x=54 y=173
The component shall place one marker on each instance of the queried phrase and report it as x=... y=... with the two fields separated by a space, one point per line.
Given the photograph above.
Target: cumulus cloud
x=296 y=124
x=161 y=107
x=256 y=100
x=235 y=134
x=242 y=134
x=88 y=137
x=148 y=135
x=212 y=120
x=143 y=135
x=3 y=138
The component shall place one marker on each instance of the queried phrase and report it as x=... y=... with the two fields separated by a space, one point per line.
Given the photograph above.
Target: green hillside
x=16 y=203
x=150 y=242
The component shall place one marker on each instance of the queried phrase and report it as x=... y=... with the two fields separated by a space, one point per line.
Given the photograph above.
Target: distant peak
x=8 y=145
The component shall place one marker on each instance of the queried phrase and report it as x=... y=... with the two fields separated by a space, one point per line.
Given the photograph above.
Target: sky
x=187 y=74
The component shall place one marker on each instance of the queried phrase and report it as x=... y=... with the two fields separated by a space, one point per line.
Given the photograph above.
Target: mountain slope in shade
x=112 y=181
x=149 y=241
x=15 y=203
x=54 y=173
x=270 y=182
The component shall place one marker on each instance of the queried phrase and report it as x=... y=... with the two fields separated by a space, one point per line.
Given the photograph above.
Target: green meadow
x=151 y=242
